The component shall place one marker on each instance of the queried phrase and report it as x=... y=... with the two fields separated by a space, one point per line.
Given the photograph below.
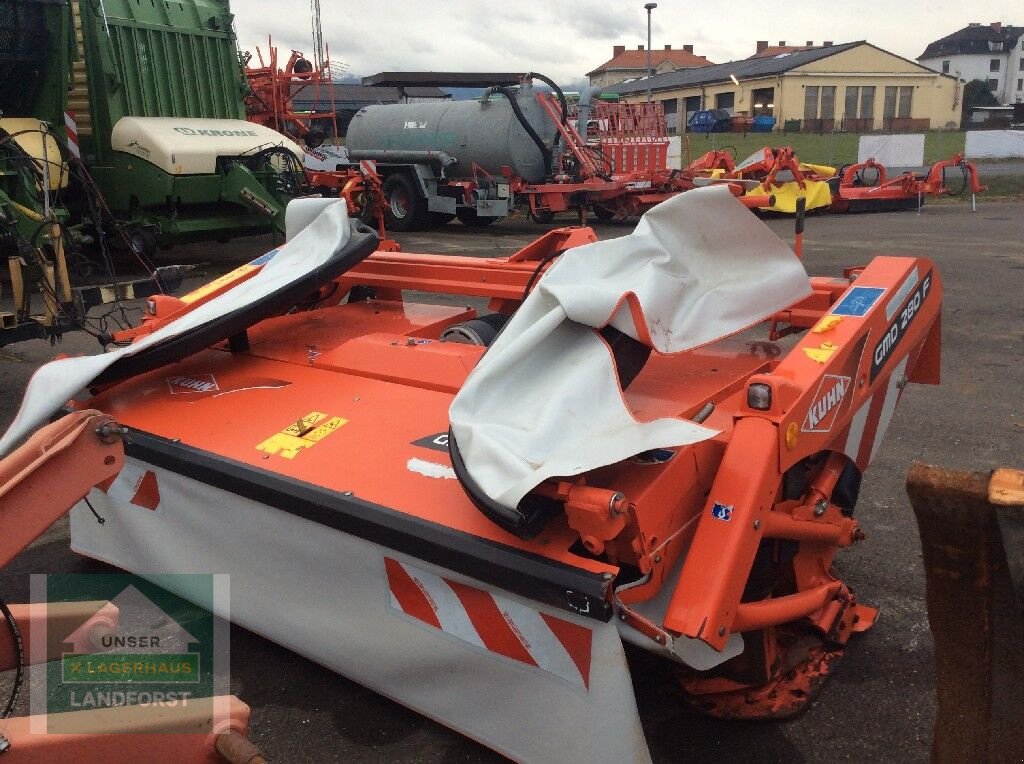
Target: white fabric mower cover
x=545 y=399
x=316 y=241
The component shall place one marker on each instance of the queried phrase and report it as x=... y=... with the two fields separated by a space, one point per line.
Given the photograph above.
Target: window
x=763 y=100
x=852 y=97
x=993 y=85
x=669 y=107
x=811 y=102
x=1020 y=65
x=906 y=97
x=889 y=110
x=867 y=102
x=725 y=101
x=865 y=96
x=945 y=67
x=1020 y=84
x=828 y=102
x=993 y=65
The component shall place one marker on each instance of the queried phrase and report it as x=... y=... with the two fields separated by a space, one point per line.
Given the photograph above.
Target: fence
x=892 y=150
x=850 y=125
x=994 y=144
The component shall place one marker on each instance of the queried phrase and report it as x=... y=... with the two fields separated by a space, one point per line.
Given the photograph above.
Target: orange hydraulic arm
x=39 y=482
x=51 y=472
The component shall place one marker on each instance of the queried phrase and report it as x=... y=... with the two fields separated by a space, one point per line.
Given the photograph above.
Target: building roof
x=632 y=60
x=349 y=94
x=774 y=50
x=975 y=39
x=744 y=69
x=444 y=79
x=763 y=50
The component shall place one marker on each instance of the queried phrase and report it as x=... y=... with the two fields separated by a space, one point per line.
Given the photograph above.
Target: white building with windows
x=993 y=53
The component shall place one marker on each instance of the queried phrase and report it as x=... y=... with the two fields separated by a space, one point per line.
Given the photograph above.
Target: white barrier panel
x=994 y=144
x=675 y=152
x=892 y=150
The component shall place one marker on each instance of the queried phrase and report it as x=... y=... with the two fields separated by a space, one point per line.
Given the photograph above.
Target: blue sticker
x=722 y=511
x=264 y=259
x=858 y=301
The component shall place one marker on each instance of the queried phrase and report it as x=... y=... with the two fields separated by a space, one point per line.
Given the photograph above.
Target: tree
x=976 y=93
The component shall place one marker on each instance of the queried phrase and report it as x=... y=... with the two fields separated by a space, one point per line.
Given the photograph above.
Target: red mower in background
x=867 y=186
x=271 y=102
x=861 y=187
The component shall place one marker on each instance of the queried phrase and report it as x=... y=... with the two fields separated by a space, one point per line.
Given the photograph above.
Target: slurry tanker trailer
x=514 y=146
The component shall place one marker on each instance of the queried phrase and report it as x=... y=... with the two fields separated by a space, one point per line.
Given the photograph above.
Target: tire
x=365 y=210
x=602 y=213
x=543 y=217
x=477 y=331
x=143 y=241
x=470 y=219
x=404 y=208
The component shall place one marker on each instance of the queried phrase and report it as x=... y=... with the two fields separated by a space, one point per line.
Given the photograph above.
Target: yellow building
x=855 y=87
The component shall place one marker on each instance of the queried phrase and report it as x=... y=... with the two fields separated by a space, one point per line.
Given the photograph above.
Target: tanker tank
x=482 y=131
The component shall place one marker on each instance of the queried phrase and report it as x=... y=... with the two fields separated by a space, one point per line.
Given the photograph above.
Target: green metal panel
x=33 y=32
x=158 y=58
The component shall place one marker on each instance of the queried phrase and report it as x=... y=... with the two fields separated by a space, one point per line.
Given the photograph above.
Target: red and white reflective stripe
x=868 y=426
x=491 y=622
x=71 y=129
x=368 y=166
x=135 y=485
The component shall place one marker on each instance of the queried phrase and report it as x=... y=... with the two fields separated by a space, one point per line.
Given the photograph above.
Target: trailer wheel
x=542 y=216
x=470 y=219
x=143 y=242
x=404 y=208
x=602 y=213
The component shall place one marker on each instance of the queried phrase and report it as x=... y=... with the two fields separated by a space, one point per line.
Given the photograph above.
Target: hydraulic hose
x=558 y=91
x=561 y=99
x=534 y=135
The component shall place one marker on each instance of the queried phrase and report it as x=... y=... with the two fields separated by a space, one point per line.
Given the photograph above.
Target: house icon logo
x=143 y=629
x=149 y=658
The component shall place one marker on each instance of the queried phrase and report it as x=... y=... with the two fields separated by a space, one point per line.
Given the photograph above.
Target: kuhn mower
x=471 y=513
x=775 y=171
x=861 y=187
x=867 y=186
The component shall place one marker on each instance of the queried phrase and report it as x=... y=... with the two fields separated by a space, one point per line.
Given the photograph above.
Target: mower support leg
x=706 y=600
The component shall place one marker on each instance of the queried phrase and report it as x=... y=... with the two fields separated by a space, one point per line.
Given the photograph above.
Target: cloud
x=567 y=38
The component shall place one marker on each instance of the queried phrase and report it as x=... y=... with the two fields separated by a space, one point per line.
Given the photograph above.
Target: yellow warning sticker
x=827 y=324
x=302 y=433
x=822 y=353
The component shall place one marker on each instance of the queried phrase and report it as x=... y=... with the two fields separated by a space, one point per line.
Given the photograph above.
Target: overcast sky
x=567 y=38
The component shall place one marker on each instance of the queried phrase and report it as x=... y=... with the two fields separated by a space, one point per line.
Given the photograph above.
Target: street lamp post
x=650 y=7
